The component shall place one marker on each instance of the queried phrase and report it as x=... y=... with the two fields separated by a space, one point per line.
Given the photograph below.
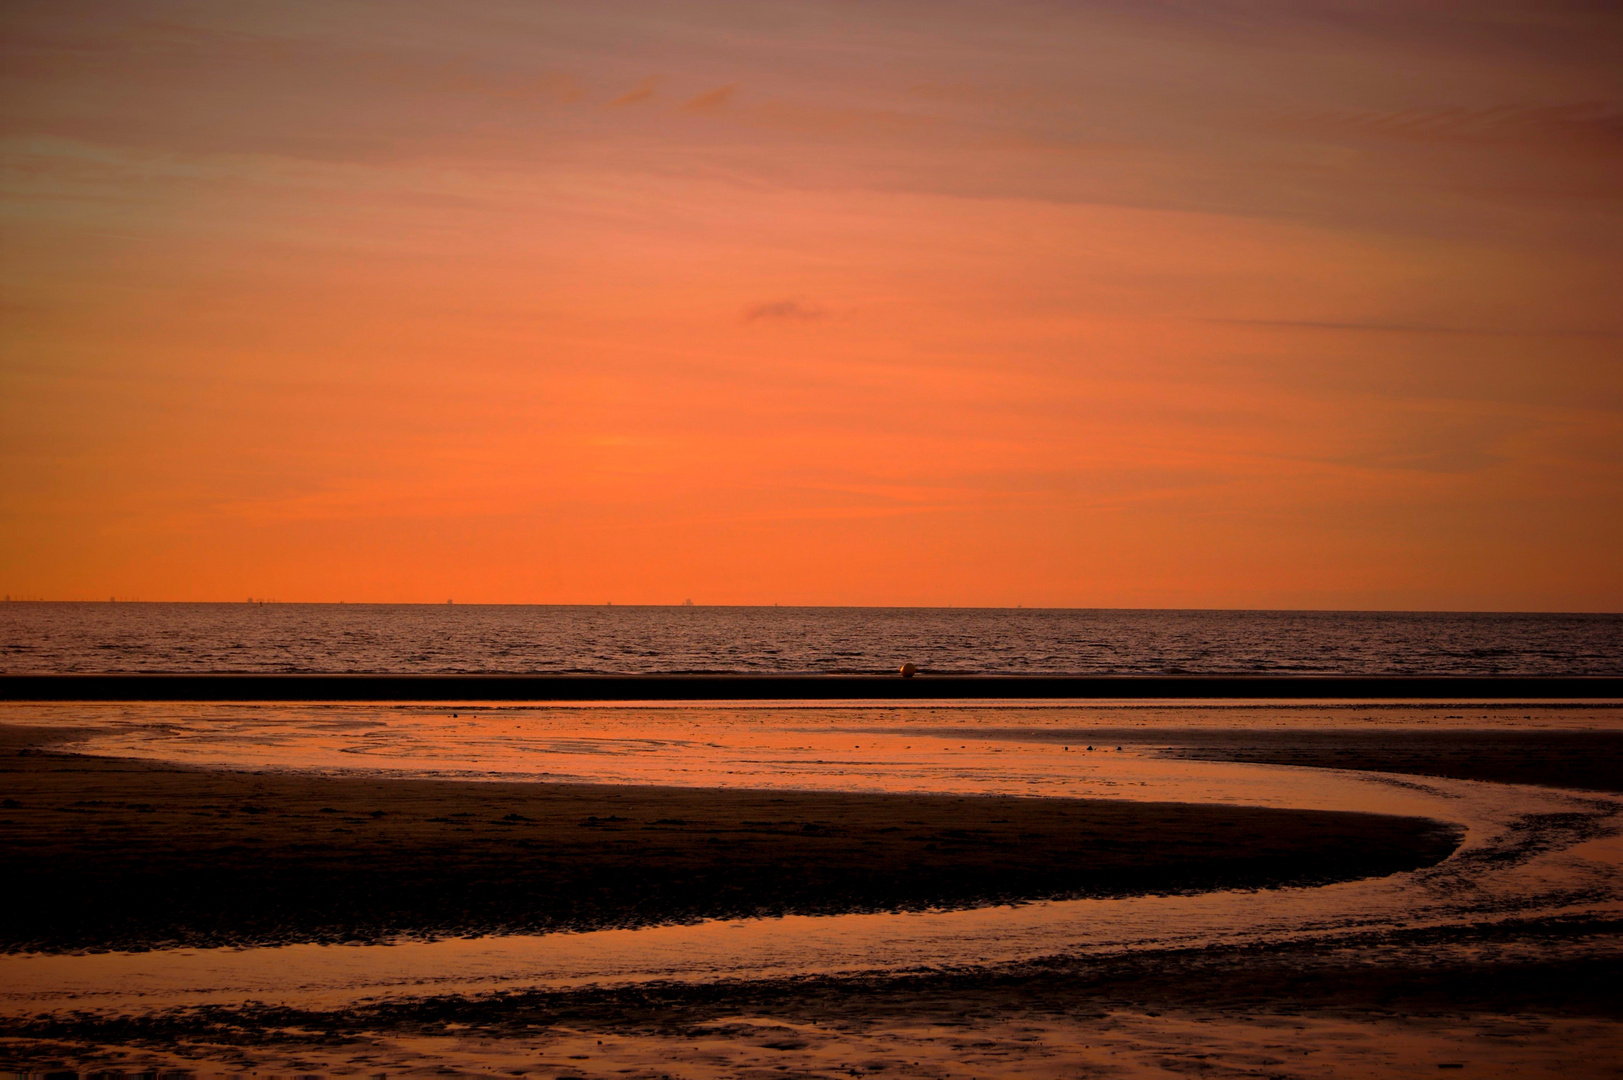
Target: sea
x=44 y=637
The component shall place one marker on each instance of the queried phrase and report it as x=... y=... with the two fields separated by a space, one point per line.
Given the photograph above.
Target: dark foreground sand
x=107 y=853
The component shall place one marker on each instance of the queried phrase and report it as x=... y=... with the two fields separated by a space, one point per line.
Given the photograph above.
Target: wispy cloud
x=1413 y=328
x=711 y=100
x=1595 y=124
x=784 y=309
x=641 y=92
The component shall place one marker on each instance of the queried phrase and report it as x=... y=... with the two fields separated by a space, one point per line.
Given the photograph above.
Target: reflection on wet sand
x=1538 y=881
x=123 y=854
x=1528 y=853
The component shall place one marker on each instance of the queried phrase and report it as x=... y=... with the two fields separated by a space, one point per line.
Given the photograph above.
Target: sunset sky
x=1204 y=304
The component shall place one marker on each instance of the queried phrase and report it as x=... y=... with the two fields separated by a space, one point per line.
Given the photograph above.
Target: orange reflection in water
x=1529 y=852
x=976 y=748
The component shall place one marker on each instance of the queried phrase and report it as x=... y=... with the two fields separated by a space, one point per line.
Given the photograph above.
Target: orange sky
x=1117 y=304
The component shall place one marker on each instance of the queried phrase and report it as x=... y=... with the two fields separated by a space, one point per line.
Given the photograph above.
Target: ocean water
x=420 y=638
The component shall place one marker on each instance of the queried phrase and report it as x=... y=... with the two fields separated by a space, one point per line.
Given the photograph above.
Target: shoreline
x=109 y=853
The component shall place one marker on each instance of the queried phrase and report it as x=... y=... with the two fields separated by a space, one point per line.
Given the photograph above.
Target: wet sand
x=1535 y=997
x=106 y=853
x=1460 y=998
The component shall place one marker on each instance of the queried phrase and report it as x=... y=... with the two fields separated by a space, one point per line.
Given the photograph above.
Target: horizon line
x=687 y=604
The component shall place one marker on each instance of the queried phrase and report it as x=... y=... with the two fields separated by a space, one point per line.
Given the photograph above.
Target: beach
x=125 y=854
x=647 y=541
x=138 y=868
x=1440 y=1001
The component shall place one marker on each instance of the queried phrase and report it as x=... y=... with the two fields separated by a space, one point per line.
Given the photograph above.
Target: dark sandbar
x=177 y=686
x=1582 y=760
x=1579 y=760
x=110 y=853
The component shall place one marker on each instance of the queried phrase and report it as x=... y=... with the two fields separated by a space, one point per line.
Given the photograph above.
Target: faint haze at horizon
x=1225 y=304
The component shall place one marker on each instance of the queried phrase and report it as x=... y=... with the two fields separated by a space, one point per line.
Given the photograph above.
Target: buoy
x=908 y=671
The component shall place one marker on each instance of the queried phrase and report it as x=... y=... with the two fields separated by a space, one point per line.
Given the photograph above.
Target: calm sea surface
x=129 y=637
